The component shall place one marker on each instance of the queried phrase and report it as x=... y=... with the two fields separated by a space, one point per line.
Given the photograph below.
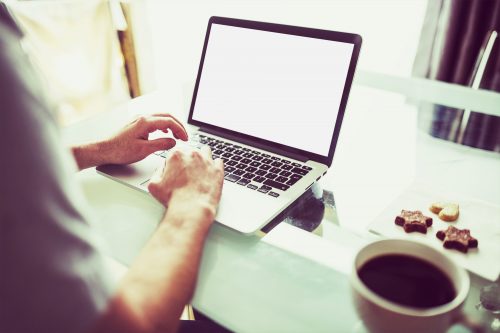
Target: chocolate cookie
x=454 y=238
x=413 y=221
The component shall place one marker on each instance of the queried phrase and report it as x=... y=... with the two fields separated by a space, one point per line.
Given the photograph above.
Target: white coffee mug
x=381 y=315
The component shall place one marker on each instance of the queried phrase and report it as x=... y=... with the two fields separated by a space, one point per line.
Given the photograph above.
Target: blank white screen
x=282 y=88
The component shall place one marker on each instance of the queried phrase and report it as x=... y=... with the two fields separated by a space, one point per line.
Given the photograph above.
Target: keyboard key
x=243 y=182
x=250 y=169
x=264 y=189
x=273 y=194
x=247 y=155
x=227 y=155
x=302 y=172
x=212 y=144
x=238 y=152
x=286 y=162
x=255 y=164
x=256 y=152
x=252 y=186
x=275 y=158
x=245 y=149
x=276 y=164
x=232 y=163
x=248 y=175
x=230 y=168
x=308 y=168
x=236 y=158
x=224 y=160
x=275 y=170
x=232 y=178
x=260 y=172
x=267 y=161
x=239 y=172
x=264 y=166
x=246 y=161
x=237 y=147
x=220 y=146
x=271 y=176
x=276 y=184
x=241 y=166
x=295 y=176
x=259 y=179
x=215 y=157
x=257 y=158
x=229 y=150
x=196 y=145
x=265 y=155
x=296 y=164
x=287 y=167
x=281 y=179
x=285 y=173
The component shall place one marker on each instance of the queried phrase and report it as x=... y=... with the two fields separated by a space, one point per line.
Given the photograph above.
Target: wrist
x=102 y=151
x=185 y=205
x=89 y=155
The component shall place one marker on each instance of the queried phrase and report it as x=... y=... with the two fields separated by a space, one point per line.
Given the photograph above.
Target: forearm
x=162 y=280
x=89 y=155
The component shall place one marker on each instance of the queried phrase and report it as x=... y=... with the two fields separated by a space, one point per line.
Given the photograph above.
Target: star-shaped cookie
x=413 y=221
x=458 y=239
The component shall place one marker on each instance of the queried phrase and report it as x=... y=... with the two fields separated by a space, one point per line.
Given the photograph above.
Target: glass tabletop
x=384 y=153
x=381 y=153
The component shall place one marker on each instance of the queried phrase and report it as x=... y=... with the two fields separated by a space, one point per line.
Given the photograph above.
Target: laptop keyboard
x=250 y=168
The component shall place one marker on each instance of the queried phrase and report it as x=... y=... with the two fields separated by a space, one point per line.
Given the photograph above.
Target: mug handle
x=465 y=320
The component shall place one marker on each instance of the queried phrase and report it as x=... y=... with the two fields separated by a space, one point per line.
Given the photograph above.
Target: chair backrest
x=74 y=45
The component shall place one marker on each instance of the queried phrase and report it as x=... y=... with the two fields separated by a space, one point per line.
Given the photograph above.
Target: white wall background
x=390 y=30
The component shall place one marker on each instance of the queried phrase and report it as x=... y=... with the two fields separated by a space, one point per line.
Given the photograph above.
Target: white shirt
x=52 y=276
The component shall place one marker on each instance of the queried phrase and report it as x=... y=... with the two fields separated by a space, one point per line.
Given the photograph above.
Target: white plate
x=481 y=218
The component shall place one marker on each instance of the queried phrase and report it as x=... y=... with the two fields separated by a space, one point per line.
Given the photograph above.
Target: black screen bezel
x=289 y=30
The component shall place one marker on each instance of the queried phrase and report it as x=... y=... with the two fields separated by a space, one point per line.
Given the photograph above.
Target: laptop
x=269 y=100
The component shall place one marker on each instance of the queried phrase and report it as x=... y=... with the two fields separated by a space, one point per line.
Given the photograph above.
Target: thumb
x=155 y=181
x=160 y=144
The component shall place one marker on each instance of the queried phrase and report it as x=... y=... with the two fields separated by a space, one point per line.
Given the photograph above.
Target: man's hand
x=132 y=143
x=189 y=176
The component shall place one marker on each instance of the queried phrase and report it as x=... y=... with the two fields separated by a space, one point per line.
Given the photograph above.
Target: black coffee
x=407 y=280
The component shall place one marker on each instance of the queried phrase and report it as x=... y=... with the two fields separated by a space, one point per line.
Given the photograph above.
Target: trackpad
x=133 y=174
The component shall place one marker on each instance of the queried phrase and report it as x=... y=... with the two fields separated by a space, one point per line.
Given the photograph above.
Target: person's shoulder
x=20 y=85
x=10 y=32
x=8 y=20
x=10 y=80
x=10 y=43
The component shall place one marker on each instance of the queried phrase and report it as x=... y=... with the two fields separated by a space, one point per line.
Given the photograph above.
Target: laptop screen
x=278 y=87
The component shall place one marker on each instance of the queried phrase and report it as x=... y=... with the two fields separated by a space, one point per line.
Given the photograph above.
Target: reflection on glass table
x=315 y=207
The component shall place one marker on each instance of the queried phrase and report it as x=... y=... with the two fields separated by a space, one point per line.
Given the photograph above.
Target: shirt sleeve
x=52 y=276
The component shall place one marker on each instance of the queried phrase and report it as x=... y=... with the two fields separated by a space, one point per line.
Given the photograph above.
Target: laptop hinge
x=255 y=144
